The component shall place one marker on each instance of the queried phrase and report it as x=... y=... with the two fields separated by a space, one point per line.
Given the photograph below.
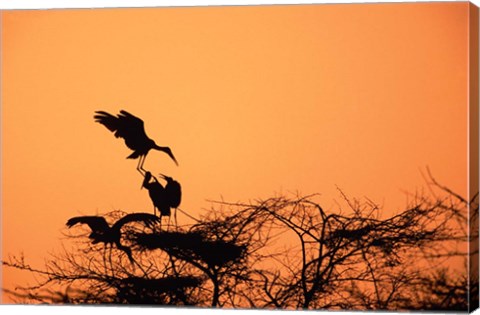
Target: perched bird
x=157 y=194
x=103 y=233
x=173 y=192
x=131 y=129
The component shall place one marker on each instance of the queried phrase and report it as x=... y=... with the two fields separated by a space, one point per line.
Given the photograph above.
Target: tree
x=284 y=252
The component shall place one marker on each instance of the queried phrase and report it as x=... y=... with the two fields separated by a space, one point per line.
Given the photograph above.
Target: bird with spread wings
x=131 y=129
x=102 y=232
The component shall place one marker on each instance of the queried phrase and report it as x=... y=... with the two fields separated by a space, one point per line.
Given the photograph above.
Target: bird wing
x=147 y=218
x=174 y=193
x=108 y=120
x=95 y=223
x=133 y=119
x=125 y=126
x=134 y=124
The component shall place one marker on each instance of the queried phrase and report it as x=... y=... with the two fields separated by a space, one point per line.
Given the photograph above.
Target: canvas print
x=289 y=157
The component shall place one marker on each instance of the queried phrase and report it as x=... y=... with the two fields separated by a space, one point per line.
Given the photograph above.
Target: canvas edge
x=473 y=164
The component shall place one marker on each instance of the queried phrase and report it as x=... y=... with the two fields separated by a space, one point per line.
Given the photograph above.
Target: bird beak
x=170 y=154
x=168 y=151
x=146 y=178
x=162 y=176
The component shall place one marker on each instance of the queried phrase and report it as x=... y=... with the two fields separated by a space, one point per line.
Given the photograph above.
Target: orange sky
x=254 y=101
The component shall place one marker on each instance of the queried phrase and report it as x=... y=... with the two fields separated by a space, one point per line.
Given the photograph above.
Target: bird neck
x=125 y=249
x=160 y=148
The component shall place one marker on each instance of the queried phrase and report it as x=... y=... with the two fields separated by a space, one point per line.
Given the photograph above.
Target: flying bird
x=132 y=130
x=103 y=233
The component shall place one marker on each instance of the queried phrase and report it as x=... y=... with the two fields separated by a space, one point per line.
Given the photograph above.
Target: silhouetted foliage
x=169 y=290
x=284 y=252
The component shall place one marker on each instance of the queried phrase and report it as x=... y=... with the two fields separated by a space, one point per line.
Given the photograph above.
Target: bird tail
x=134 y=155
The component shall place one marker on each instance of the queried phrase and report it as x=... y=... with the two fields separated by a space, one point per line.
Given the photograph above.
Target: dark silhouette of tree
x=356 y=259
x=85 y=275
x=285 y=252
x=132 y=130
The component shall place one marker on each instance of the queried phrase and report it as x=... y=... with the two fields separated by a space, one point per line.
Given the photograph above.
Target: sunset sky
x=254 y=102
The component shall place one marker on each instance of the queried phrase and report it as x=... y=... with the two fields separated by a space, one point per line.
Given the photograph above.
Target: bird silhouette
x=132 y=130
x=103 y=233
x=157 y=194
x=173 y=192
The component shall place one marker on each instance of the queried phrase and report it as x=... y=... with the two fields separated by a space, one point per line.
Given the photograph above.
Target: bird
x=157 y=194
x=131 y=129
x=103 y=233
x=173 y=192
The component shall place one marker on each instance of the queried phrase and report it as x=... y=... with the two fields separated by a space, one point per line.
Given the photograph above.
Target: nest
x=190 y=246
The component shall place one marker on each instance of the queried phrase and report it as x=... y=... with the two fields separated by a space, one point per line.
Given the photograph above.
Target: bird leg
x=105 y=257
x=175 y=216
x=141 y=160
x=141 y=171
x=155 y=214
x=139 y=165
x=110 y=258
